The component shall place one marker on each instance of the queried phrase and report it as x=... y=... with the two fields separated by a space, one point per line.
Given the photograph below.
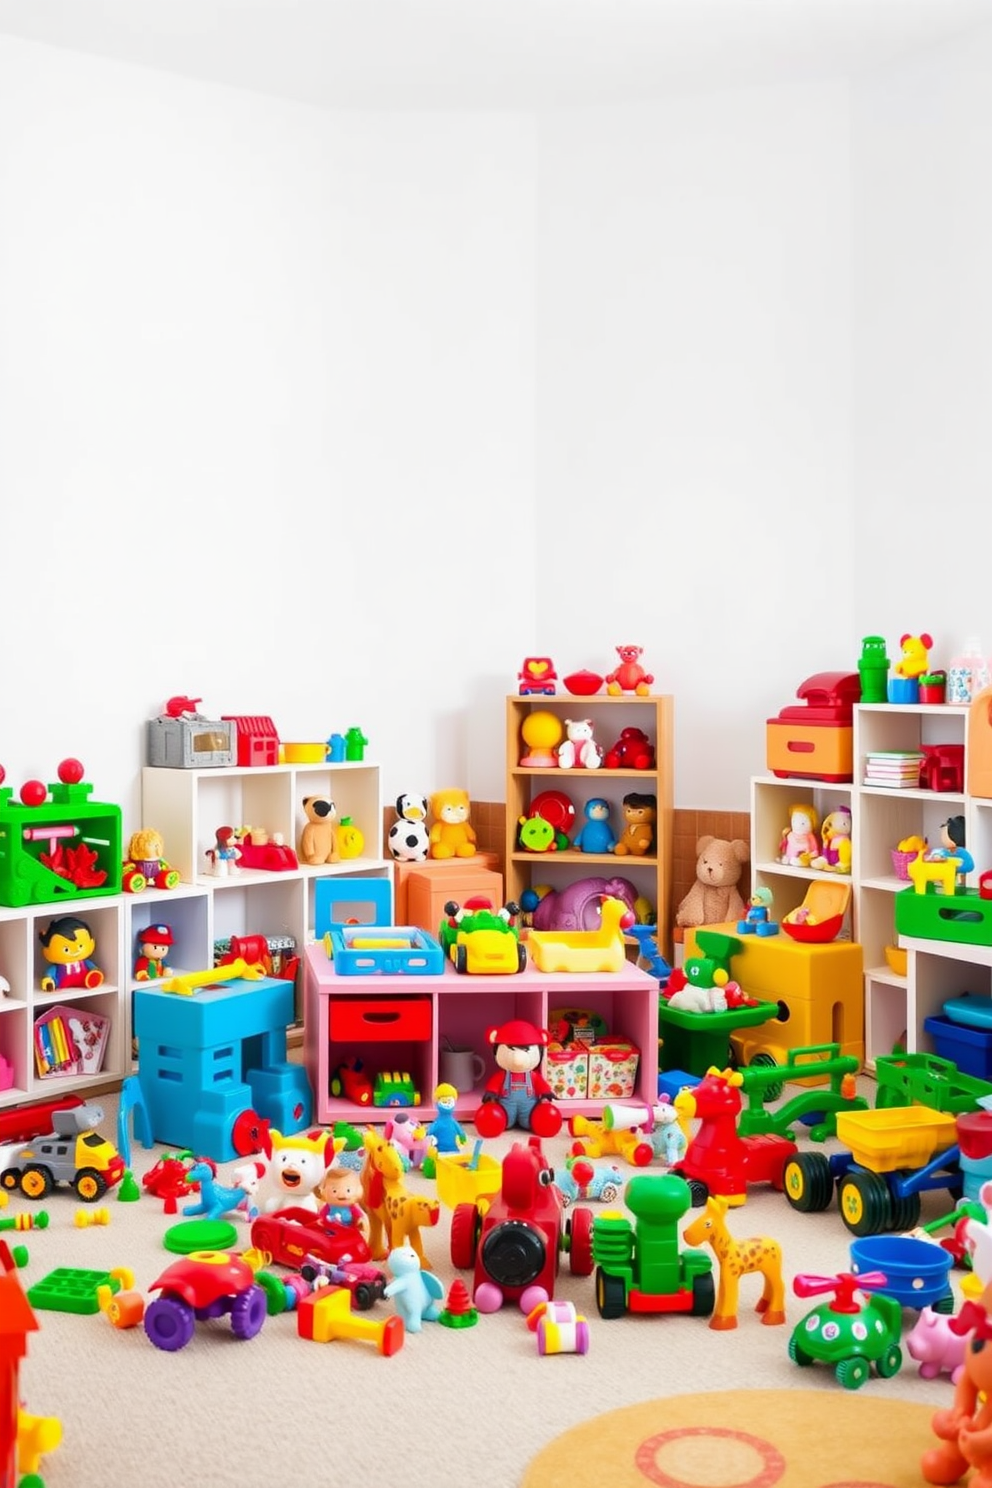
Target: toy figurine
x=518 y=1094
x=835 y=838
x=952 y=838
x=541 y=733
x=579 y=750
x=416 y=1294
x=145 y=863
x=596 y=835
x=409 y=840
x=68 y=946
x=800 y=844
x=154 y=944
x=319 y=838
x=452 y=836
x=739 y=1258
x=965 y=1427
x=444 y=1132
x=629 y=676
x=223 y=857
x=339 y=1192
x=640 y=810
x=757 y=920
x=537 y=675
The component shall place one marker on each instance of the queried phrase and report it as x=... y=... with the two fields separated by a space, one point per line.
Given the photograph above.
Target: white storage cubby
x=881 y=816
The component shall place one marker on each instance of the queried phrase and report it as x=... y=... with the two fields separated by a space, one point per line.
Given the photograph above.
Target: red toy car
x=514 y=1240
x=205 y=1285
x=366 y=1283
x=294 y=1235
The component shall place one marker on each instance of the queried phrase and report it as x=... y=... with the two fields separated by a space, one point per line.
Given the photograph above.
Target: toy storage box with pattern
x=612 y=1069
x=566 y=1069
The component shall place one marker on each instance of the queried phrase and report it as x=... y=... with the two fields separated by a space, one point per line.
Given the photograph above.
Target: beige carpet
x=453 y=1407
x=742 y=1439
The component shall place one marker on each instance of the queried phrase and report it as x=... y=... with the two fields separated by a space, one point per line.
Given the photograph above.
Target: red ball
x=33 y=792
x=71 y=771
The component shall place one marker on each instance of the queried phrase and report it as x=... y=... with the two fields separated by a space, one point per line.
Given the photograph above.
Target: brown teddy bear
x=319 y=839
x=639 y=813
x=714 y=898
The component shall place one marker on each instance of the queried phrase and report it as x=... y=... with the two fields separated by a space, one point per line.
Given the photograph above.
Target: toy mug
x=462 y=1068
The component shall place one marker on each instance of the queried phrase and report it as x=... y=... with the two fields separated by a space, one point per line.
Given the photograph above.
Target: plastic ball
x=71 y=771
x=33 y=792
x=542 y=730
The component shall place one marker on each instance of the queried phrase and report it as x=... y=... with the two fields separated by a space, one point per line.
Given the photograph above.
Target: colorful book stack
x=896 y=769
x=69 y=1041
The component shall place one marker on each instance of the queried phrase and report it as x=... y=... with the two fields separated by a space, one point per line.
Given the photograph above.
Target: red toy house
x=258 y=742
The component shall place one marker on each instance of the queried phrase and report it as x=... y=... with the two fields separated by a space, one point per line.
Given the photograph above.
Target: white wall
x=267 y=392
x=922 y=191
x=709 y=377
x=694 y=387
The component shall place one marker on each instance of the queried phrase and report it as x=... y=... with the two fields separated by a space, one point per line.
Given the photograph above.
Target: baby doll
x=800 y=844
x=339 y=1192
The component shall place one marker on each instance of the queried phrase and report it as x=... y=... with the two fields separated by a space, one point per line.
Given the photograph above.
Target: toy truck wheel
x=864 y=1203
x=905 y=1212
x=698 y=1192
x=248 y=1312
x=774 y=1090
x=852 y=1373
x=809 y=1183
x=89 y=1185
x=578 y=1233
x=703 y=1295
x=890 y=1363
x=134 y=882
x=611 y=1295
x=169 y=1323
x=36 y=1182
x=465 y=1226
x=363 y=1297
x=521 y=958
x=10 y=1179
x=460 y=957
x=799 y=1355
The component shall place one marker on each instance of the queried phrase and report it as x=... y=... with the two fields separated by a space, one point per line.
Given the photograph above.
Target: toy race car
x=295 y=1235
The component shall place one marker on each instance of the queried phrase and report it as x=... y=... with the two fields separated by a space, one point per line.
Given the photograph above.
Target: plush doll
x=800 y=844
x=596 y=835
x=835 y=838
x=518 y=1094
x=452 y=836
x=409 y=840
x=637 y=837
x=715 y=898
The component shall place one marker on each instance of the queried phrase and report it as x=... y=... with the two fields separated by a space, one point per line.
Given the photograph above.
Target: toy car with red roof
x=294 y=1235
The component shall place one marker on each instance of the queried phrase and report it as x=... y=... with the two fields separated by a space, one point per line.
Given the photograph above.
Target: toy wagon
x=898 y=1137
x=457 y=1183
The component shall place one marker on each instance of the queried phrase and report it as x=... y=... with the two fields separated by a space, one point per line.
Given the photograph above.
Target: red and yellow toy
x=965 y=1427
x=518 y=1094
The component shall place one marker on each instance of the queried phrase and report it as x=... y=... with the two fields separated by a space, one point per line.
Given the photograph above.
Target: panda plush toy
x=408 y=840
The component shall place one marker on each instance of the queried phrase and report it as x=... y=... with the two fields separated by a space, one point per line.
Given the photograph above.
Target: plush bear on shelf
x=715 y=898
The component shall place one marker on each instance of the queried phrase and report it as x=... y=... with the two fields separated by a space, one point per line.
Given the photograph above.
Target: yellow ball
x=542 y=730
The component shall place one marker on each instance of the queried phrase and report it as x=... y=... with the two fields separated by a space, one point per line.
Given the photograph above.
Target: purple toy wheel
x=169 y=1323
x=248 y=1312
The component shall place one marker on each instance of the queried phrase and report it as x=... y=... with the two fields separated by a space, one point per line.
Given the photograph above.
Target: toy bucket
x=933 y=687
x=901 y=862
x=904 y=690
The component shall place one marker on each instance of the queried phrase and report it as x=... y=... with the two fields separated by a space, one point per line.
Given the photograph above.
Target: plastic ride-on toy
x=514 y=1239
x=204 y=1284
x=849 y=1333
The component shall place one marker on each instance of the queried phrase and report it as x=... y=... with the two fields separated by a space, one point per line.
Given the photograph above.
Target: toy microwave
x=815 y=740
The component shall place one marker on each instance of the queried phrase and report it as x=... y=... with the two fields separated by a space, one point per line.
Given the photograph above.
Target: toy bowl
x=818 y=934
x=897 y=959
x=304 y=754
x=583 y=684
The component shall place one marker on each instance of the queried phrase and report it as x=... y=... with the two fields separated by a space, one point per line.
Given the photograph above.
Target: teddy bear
x=579 y=750
x=451 y=835
x=319 y=838
x=639 y=814
x=715 y=898
x=632 y=751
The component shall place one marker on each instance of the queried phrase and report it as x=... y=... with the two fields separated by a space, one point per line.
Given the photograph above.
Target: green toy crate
x=927 y=1080
x=965 y=917
x=66 y=847
x=696 y=1041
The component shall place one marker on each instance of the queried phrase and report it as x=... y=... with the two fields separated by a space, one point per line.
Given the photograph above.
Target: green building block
x=69 y=1289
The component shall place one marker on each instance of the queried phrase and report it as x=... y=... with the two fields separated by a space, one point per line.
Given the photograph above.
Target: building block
x=207 y=1058
x=71 y=1289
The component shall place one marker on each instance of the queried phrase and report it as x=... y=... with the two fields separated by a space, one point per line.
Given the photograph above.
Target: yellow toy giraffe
x=737 y=1258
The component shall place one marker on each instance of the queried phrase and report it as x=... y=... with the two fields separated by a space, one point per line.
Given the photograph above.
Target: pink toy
x=936 y=1347
x=800 y=844
x=629 y=676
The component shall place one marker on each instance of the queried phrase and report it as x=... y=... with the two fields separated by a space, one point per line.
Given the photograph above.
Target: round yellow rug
x=743 y=1439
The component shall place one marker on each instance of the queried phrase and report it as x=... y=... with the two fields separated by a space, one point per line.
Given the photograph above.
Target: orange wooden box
x=428 y=892
x=815 y=741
